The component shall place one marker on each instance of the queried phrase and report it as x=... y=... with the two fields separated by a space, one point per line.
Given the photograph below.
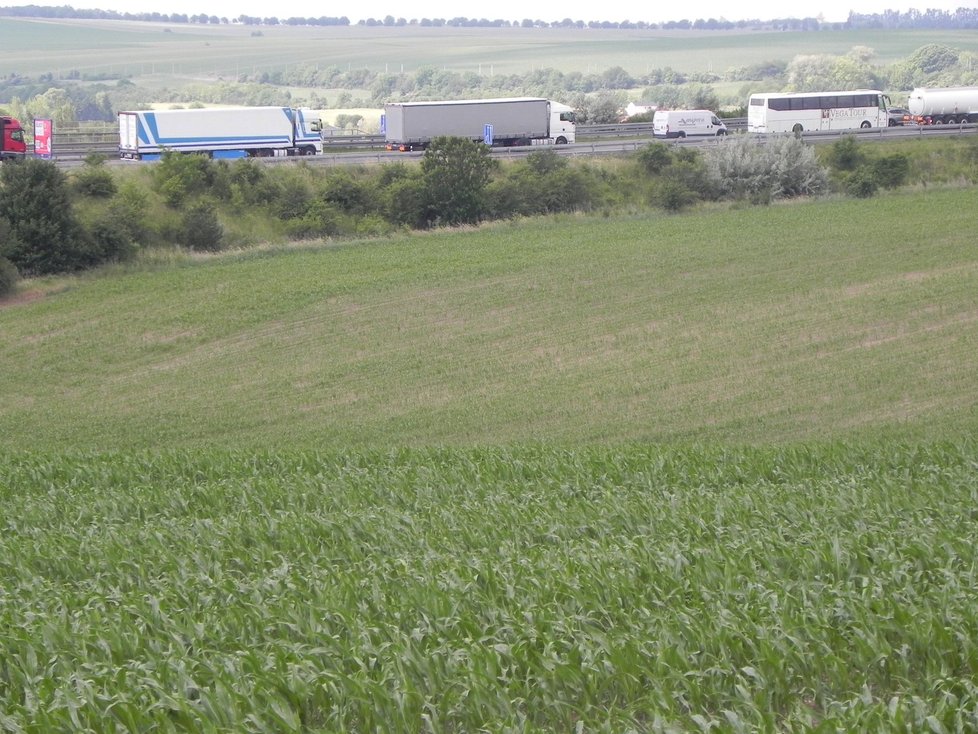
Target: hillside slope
x=804 y=322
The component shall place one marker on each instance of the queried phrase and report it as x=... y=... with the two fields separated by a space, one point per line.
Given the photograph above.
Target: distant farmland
x=113 y=49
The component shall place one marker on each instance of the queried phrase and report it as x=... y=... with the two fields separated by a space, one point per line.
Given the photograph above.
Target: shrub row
x=51 y=222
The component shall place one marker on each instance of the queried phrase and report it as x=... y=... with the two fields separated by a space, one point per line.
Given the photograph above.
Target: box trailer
x=497 y=122
x=253 y=131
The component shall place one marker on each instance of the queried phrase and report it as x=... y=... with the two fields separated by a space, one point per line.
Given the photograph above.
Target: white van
x=686 y=124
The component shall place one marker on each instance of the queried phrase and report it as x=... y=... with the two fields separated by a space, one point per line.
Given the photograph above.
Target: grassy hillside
x=816 y=321
x=415 y=485
x=175 y=51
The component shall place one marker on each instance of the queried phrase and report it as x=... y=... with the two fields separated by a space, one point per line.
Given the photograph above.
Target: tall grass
x=536 y=589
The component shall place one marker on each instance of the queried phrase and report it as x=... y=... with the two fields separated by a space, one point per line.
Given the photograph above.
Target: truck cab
x=12 y=142
x=562 y=124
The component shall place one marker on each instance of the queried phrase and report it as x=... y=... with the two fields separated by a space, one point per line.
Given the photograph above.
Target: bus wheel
x=865 y=124
x=797 y=128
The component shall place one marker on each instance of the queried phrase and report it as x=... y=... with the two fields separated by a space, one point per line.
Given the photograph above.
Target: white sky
x=516 y=10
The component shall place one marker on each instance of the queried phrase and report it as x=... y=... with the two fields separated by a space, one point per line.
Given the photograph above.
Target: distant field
x=117 y=48
x=803 y=322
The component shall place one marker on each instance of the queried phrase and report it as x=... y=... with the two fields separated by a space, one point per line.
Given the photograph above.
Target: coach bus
x=805 y=111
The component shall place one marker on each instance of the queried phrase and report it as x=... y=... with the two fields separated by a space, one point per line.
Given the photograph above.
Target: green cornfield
x=715 y=471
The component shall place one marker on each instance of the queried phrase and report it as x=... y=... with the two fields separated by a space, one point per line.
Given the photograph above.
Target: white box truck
x=943 y=105
x=497 y=122
x=686 y=124
x=254 y=131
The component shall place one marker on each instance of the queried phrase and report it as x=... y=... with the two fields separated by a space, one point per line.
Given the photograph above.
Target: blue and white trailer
x=250 y=131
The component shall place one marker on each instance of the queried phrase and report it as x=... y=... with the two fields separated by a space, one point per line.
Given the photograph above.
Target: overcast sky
x=516 y=10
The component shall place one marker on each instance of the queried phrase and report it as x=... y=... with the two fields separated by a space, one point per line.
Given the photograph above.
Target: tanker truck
x=943 y=106
x=496 y=122
x=12 y=143
x=251 y=131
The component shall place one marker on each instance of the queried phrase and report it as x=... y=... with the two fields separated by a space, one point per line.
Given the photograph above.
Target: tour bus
x=806 y=111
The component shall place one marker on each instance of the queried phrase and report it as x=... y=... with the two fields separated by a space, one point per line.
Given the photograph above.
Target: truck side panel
x=258 y=130
x=511 y=119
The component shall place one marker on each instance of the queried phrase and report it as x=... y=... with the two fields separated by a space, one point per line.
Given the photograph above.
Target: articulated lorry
x=253 y=131
x=497 y=122
x=943 y=106
x=12 y=142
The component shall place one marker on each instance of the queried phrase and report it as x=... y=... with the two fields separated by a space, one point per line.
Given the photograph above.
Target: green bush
x=456 y=172
x=891 y=171
x=655 y=157
x=673 y=195
x=846 y=155
x=8 y=276
x=112 y=238
x=178 y=177
x=403 y=202
x=321 y=219
x=46 y=236
x=343 y=189
x=741 y=167
x=128 y=209
x=862 y=182
x=201 y=230
x=94 y=181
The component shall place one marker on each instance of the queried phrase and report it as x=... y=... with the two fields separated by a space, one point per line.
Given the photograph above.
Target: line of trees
x=931 y=18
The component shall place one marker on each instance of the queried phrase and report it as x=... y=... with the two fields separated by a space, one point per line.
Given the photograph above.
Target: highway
x=71 y=150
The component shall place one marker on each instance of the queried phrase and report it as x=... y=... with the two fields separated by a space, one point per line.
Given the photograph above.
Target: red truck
x=12 y=144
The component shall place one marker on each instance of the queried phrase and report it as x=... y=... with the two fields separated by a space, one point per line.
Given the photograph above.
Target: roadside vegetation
x=56 y=222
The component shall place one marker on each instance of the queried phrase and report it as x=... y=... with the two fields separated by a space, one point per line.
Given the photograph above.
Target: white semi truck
x=497 y=122
x=943 y=105
x=253 y=131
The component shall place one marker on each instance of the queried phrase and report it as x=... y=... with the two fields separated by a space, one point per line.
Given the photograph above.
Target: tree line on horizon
x=889 y=19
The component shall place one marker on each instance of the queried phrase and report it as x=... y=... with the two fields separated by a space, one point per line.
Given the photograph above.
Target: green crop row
x=521 y=589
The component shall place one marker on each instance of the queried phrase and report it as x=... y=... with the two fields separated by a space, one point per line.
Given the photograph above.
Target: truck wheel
x=952 y=121
x=865 y=124
x=560 y=141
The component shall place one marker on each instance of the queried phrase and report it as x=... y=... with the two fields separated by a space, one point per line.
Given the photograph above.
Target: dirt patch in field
x=16 y=299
